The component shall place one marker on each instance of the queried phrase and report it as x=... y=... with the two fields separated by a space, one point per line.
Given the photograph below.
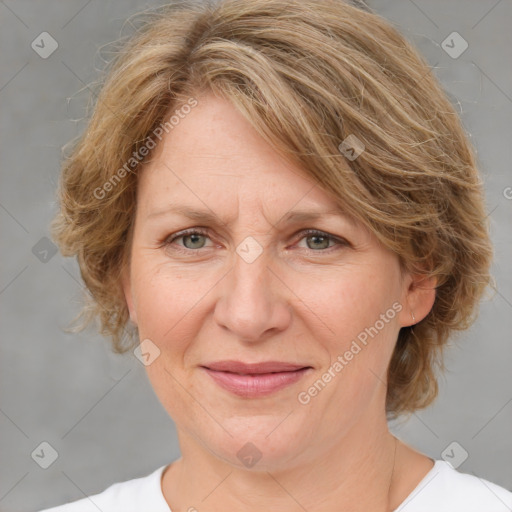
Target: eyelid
x=189 y=231
x=312 y=231
x=300 y=235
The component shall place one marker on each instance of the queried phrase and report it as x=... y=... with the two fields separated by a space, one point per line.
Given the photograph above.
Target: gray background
x=97 y=409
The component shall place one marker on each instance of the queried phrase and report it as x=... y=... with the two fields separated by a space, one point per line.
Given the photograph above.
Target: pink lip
x=256 y=379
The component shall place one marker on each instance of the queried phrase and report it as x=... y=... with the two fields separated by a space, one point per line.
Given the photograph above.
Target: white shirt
x=442 y=489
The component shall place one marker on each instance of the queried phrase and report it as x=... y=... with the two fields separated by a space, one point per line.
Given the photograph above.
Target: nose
x=254 y=302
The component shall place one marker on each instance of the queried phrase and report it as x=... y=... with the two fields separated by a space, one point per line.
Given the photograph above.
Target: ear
x=127 y=291
x=418 y=297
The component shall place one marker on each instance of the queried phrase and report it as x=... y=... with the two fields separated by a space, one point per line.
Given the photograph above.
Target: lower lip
x=251 y=386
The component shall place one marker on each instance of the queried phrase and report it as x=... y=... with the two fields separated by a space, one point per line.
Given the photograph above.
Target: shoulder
x=129 y=496
x=444 y=489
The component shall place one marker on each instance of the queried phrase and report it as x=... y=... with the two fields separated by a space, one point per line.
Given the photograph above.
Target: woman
x=278 y=201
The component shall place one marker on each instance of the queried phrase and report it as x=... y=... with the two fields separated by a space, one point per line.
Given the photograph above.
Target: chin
x=259 y=443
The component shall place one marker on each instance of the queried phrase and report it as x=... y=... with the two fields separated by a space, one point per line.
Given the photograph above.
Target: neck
x=357 y=472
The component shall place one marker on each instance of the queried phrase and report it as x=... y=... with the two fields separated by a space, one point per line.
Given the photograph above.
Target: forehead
x=213 y=163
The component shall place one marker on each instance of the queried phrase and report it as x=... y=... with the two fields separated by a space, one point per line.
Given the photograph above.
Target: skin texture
x=302 y=300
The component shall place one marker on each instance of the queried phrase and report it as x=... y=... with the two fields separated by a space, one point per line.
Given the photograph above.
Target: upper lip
x=253 y=368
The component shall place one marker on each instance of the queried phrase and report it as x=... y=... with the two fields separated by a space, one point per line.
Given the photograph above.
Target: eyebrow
x=291 y=217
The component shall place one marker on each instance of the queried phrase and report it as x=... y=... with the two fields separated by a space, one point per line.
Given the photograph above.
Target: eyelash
x=304 y=234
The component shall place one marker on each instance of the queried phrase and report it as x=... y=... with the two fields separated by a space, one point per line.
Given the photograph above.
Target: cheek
x=348 y=302
x=359 y=309
x=166 y=304
x=163 y=299
x=370 y=330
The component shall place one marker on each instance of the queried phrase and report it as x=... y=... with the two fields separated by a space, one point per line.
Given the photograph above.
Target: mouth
x=253 y=380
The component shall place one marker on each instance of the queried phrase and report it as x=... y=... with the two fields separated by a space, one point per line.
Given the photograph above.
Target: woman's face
x=252 y=287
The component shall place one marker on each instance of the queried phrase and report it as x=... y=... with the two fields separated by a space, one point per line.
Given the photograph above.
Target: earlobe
x=127 y=291
x=421 y=296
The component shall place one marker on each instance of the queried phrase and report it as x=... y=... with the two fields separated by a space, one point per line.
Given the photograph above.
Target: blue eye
x=191 y=234
x=194 y=240
x=321 y=239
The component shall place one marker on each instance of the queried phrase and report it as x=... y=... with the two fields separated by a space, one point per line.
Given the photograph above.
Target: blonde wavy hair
x=306 y=74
